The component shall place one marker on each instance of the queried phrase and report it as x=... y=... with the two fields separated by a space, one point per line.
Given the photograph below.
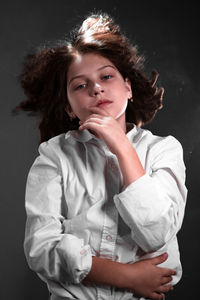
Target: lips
x=103 y=102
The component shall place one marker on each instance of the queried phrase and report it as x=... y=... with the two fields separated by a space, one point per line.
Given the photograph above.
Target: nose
x=97 y=89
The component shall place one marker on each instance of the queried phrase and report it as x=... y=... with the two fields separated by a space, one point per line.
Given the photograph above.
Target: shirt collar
x=81 y=136
x=86 y=135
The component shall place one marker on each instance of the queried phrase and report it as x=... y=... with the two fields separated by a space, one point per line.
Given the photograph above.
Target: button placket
x=111 y=214
x=83 y=251
x=109 y=234
x=109 y=237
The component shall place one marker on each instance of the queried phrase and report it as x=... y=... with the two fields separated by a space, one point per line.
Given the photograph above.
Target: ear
x=128 y=87
x=69 y=111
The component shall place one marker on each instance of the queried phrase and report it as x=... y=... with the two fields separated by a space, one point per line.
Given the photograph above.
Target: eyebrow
x=99 y=69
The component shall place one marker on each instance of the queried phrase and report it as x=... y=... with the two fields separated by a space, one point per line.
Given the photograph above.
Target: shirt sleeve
x=153 y=206
x=50 y=251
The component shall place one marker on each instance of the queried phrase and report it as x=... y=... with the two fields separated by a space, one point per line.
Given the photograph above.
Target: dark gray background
x=167 y=32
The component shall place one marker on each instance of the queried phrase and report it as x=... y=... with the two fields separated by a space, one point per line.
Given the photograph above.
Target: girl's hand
x=113 y=135
x=106 y=128
x=149 y=280
x=143 y=278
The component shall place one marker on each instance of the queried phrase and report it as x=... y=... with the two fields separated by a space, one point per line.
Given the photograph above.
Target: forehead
x=86 y=64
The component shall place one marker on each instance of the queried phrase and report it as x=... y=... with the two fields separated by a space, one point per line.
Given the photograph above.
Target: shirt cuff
x=142 y=202
x=77 y=257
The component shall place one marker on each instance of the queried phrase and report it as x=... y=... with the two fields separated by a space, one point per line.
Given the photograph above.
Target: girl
x=105 y=198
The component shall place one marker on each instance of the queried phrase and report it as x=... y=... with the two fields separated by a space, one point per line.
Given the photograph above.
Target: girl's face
x=94 y=81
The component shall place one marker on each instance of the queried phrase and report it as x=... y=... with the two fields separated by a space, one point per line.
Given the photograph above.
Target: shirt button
x=83 y=251
x=109 y=238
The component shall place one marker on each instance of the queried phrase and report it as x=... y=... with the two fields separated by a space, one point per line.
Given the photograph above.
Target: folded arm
x=51 y=252
x=153 y=205
x=143 y=278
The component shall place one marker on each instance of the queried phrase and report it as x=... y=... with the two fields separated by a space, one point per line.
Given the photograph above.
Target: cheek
x=79 y=107
x=121 y=89
x=122 y=94
x=73 y=101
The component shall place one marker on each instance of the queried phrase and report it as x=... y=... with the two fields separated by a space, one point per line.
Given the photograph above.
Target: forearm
x=153 y=206
x=108 y=272
x=143 y=278
x=129 y=163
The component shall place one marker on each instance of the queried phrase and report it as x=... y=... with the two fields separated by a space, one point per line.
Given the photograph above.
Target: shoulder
x=53 y=145
x=59 y=148
x=54 y=151
x=155 y=147
x=156 y=142
x=164 y=151
x=48 y=163
x=49 y=156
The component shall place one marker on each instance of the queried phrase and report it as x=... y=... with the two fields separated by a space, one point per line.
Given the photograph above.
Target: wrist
x=124 y=148
x=129 y=163
x=108 y=272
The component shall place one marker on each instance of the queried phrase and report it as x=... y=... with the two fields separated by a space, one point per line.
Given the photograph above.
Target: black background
x=167 y=33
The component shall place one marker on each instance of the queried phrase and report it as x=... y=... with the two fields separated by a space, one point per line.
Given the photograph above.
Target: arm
x=108 y=130
x=52 y=253
x=144 y=278
x=129 y=162
x=152 y=204
x=56 y=256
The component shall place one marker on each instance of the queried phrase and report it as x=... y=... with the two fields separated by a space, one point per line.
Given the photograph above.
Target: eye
x=80 y=86
x=106 y=77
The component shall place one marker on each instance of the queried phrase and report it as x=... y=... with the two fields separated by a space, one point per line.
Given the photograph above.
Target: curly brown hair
x=44 y=76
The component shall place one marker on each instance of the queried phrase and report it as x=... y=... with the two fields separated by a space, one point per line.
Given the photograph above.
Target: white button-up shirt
x=77 y=207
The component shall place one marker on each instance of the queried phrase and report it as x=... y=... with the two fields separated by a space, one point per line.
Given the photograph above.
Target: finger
x=97 y=116
x=166 y=279
x=163 y=296
x=99 y=111
x=91 y=116
x=90 y=125
x=101 y=121
x=165 y=288
x=159 y=259
x=157 y=296
x=97 y=120
x=168 y=272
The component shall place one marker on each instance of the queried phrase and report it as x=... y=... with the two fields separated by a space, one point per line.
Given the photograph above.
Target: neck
x=122 y=122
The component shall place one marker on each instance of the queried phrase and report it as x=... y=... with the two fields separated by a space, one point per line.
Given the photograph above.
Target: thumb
x=160 y=259
x=100 y=111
